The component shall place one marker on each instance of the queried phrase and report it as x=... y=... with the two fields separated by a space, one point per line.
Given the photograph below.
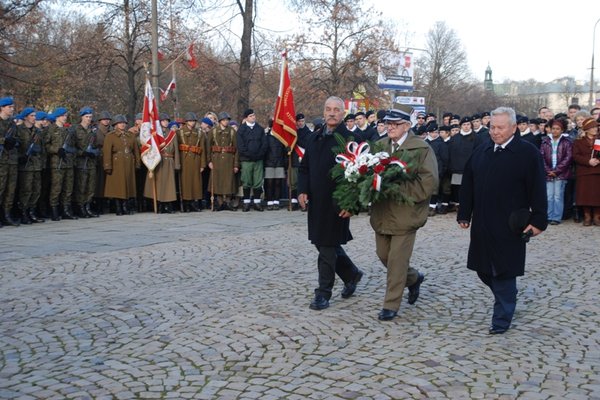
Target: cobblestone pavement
x=215 y=306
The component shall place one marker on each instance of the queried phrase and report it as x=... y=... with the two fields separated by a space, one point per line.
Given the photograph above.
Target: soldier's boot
x=168 y=209
x=187 y=207
x=55 y=214
x=118 y=207
x=68 y=213
x=131 y=206
x=257 y=200
x=33 y=217
x=82 y=212
x=89 y=211
x=25 y=220
x=125 y=207
x=195 y=205
x=9 y=220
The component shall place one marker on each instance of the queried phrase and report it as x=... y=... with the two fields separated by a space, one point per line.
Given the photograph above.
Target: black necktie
x=498 y=149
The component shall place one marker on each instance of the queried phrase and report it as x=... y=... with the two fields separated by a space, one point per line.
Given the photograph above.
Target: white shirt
x=505 y=143
x=399 y=142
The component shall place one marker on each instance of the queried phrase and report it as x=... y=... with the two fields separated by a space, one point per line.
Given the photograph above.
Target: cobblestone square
x=215 y=306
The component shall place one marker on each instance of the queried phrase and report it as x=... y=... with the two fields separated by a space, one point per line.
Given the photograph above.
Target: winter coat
x=494 y=186
x=121 y=155
x=251 y=142
x=564 y=158
x=276 y=154
x=389 y=217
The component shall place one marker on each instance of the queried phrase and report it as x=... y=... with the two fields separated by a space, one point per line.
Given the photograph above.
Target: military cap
x=139 y=116
x=164 y=117
x=6 y=101
x=381 y=114
x=455 y=116
x=299 y=116
x=349 y=117
x=359 y=113
x=104 y=115
x=207 y=121
x=464 y=120
x=431 y=127
x=485 y=114
x=445 y=128
x=535 y=121
x=26 y=111
x=119 y=118
x=397 y=115
x=233 y=122
x=40 y=115
x=248 y=112
x=173 y=124
x=191 y=117
x=475 y=116
x=522 y=119
x=85 y=111
x=59 y=112
x=50 y=117
x=223 y=115
x=454 y=126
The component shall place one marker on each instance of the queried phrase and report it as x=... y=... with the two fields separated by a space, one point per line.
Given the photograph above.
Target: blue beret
x=6 y=101
x=173 y=124
x=59 y=112
x=85 y=111
x=25 y=112
x=51 y=117
x=207 y=121
x=40 y=115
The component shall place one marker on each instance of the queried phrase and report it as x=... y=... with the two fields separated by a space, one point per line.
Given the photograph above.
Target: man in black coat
x=328 y=226
x=503 y=191
x=252 y=146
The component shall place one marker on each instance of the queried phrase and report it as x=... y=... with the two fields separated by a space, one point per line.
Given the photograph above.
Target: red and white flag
x=190 y=58
x=165 y=93
x=150 y=132
x=284 y=120
x=597 y=145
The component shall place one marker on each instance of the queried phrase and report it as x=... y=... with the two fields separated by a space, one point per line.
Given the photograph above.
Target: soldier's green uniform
x=9 y=159
x=31 y=163
x=60 y=145
x=85 y=166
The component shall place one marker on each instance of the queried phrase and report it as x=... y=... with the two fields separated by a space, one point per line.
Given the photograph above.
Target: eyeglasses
x=393 y=123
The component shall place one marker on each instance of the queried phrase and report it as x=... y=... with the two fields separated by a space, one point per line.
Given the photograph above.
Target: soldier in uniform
x=60 y=146
x=30 y=167
x=85 y=163
x=192 y=153
x=164 y=174
x=140 y=174
x=42 y=124
x=206 y=124
x=9 y=159
x=121 y=155
x=104 y=127
x=223 y=162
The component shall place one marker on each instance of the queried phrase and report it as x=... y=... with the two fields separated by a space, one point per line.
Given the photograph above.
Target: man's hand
x=235 y=170
x=210 y=165
x=535 y=230
x=302 y=199
x=344 y=214
x=464 y=224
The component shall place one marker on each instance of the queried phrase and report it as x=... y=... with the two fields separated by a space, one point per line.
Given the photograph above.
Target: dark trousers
x=505 y=299
x=333 y=260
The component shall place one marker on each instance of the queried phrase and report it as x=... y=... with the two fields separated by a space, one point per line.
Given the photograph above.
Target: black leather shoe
x=246 y=207
x=319 y=303
x=350 y=287
x=386 y=315
x=414 y=289
x=497 y=331
x=258 y=207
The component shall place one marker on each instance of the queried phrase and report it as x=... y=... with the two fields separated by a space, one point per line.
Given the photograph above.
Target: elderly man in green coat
x=396 y=224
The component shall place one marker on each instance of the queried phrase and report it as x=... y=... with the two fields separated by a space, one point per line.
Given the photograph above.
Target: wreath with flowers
x=365 y=174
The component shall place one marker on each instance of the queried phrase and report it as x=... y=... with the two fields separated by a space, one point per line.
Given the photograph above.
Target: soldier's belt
x=190 y=149
x=166 y=155
x=223 y=149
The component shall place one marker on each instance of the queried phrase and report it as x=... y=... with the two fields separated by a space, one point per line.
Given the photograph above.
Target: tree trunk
x=245 y=56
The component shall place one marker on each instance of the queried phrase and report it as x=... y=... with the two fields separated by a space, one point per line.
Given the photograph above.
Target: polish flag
x=597 y=145
x=190 y=58
x=150 y=132
x=165 y=93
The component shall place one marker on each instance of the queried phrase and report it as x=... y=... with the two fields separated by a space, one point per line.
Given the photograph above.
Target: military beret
x=59 y=112
x=397 y=115
x=223 y=115
x=299 y=116
x=207 y=121
x=104 y=115
x=164 y=117
x=6 y=101
x=359 y=113
x=444 y=128
x=85 y=111
x=349 y=117
x=233 y=122
x=119 y=118
x=475 y=116
x=248 y=112
x=454 y=126
x=26 y=111
x=431 y=127
x=40 y=115
x=535 y=121
x=139 y=116
x=464 y=120
x=456 y=116
x=173 y=124
x=50 y=117
x=191 y=117
x=522 y=119
x=485 y=114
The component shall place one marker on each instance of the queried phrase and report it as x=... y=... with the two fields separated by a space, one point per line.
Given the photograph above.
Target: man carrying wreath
x=396 y=223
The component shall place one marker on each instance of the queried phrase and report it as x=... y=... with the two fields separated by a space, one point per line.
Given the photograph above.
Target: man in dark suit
x=328 y=226
x=503 y=192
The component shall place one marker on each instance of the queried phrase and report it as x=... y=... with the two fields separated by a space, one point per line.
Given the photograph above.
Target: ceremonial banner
x=150 y=132
x=284 y=120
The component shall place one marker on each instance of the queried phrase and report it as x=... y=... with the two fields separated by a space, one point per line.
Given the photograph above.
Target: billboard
x=402 y=78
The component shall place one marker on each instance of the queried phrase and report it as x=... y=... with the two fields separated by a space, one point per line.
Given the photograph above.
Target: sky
x=520 y=40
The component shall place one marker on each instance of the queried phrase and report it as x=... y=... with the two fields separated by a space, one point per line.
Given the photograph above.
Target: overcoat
x=121 y=154
x=494 y=185
x=101 y=134
x=222 y=152
x=325 y=227
x=164 y=173
x=192 y=153
x=587 y=178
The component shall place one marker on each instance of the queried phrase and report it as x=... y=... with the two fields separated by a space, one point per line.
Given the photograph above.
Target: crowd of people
x=50 y=168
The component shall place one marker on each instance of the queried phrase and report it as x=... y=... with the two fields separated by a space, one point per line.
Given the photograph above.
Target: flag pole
x=212 y=188
x=151 y=176
x=289 y=181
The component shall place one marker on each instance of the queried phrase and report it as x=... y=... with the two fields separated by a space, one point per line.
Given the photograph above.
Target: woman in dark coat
x=587 y=172
x=328 y=226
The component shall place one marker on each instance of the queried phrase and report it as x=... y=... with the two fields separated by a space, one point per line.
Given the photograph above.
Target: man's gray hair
x=336 y=99
x=512 y=116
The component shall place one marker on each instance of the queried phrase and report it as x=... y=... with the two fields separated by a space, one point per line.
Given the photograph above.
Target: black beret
x=485 y=114
x=348 y=117
x=299 y=116
x=445 y=128
x=431 y=127
x=522 y=119
x=456 y=116
x=464 y=120
x=248 y=112
x=475 y=116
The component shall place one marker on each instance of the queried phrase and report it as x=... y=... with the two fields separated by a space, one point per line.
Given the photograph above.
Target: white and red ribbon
x=353 y=151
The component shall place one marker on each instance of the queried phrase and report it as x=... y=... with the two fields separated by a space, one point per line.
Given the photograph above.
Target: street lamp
x=591 y=99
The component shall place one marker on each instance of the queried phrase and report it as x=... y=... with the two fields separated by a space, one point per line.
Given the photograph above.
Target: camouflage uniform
x=85 y=169
x=9 y=159
x=60 y=146
x=31 y=163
